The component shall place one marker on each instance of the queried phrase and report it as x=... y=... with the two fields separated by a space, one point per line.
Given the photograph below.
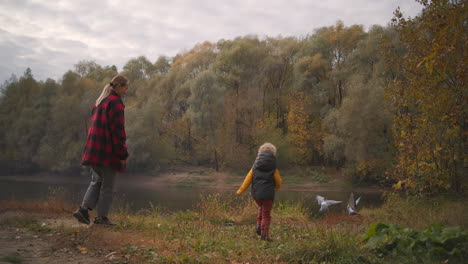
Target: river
x=134 y=197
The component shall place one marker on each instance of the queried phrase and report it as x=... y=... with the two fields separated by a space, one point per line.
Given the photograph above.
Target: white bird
x=324 y=203
x=352 y=204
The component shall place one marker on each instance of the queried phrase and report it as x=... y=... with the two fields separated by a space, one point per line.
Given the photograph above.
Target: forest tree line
x=387 y=105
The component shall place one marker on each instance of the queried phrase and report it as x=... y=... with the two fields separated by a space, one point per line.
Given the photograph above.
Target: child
x=265 y=179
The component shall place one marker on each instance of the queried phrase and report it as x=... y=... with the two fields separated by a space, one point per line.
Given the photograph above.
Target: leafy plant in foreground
x=435 y=243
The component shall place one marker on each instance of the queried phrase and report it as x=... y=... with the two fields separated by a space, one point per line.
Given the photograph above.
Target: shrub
x=435 y=243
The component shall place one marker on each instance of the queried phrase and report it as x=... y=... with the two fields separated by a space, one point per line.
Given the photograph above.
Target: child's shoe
x=266 y=238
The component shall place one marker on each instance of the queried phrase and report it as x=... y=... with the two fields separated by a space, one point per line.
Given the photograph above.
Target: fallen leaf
x=83 y=250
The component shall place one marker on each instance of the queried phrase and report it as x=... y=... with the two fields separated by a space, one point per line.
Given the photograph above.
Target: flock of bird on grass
x=351 y=207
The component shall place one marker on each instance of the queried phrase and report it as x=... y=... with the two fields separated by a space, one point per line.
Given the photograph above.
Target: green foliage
x=435 y=243
x=317 y=176
x=359 y=130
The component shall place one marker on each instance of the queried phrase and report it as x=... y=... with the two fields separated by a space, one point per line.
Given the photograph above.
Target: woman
x=105 y=151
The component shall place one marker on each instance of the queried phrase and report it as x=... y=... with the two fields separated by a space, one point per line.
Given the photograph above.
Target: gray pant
x=101 y=190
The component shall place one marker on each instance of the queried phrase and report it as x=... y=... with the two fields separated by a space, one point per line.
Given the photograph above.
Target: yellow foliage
x=304 y=130
x=430 y=98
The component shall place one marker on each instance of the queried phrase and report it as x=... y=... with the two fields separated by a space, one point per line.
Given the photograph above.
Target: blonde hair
x=118 y=80
x=267 y=147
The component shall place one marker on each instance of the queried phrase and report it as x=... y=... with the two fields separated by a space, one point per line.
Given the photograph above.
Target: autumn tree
x=239 y=64
x=430 y=99
x=304 y=130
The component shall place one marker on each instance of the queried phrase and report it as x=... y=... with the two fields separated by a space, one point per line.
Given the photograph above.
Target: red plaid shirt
x=106 y=136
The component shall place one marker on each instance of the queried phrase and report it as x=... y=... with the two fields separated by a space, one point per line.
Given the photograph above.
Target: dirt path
x=19 y=245
x=44 y=240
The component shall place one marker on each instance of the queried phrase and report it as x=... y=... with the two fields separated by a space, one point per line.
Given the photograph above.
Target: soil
x=20 y=245
x=24 y=245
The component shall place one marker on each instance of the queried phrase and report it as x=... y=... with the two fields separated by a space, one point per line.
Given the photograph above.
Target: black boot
x=265 y=235
x=259 y=230
x=266 y=238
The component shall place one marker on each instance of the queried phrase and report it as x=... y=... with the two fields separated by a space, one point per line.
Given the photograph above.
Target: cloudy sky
x=50 y=36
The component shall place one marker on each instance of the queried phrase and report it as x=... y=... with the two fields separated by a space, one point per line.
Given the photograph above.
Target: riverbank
x=296 y=179
x=220 y=230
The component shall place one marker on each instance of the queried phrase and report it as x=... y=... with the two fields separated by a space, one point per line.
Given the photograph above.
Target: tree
x=430 y=121
x=304 y=129
x=24 y=109
x=66 y=126
x=335 y=44
x=162 y=65
x=206 y=103
x=359 y=131
x=138 y=68
x=89 y=69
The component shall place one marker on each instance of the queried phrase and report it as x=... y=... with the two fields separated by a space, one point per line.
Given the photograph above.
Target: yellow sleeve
x=278 y=180
x=246 y=183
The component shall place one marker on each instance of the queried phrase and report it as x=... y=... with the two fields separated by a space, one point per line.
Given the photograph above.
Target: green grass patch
x=419 y=213
x=317 y=176
x=199 y=172
x=305 y=175
x=207 y=179
x=15 y=259
x=186 y=182
x=26 y=222
x=237 y=180
x=192 y=181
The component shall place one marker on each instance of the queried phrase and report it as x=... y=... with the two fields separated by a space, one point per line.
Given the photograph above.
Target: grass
x=28 y=222
x=15 y=259
x=54 y=204
x=220 y=229
x=192 y=181
x=305 y=175
x=234 y=180
x=420 y=213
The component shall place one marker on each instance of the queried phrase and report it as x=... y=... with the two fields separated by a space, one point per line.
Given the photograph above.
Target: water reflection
x=170 y=198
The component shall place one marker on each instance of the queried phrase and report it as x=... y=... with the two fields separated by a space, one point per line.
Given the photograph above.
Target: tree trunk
x=216 y=160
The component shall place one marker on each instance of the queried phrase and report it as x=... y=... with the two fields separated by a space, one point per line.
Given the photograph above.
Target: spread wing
x=351 y=202
x=323 y=207
x=330 y=202
x=357 y=201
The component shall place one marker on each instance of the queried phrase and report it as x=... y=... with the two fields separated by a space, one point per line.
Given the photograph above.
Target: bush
x=436 y=243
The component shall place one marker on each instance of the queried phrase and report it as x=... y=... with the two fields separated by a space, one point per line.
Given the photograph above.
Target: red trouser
x=264 y=215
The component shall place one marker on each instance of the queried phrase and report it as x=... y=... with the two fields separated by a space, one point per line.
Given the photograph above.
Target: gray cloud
x=51 y=36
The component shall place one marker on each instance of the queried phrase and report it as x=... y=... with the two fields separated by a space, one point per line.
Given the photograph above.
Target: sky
x=51 y=36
